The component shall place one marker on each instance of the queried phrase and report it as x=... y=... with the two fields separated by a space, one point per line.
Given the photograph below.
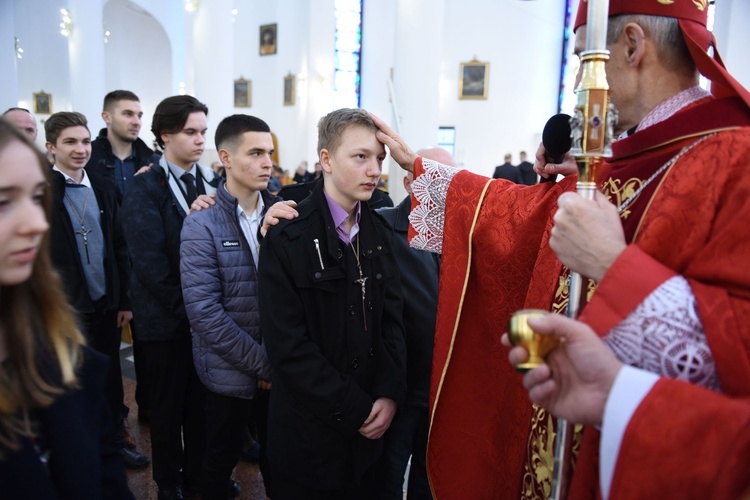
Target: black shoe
x=174 y=494
x=234 y=489
x=134 y=460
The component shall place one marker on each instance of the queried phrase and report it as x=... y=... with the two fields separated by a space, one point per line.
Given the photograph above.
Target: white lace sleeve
x=428 y=218
x=664 y=335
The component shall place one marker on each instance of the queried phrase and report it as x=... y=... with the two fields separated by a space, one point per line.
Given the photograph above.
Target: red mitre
x=692 y=16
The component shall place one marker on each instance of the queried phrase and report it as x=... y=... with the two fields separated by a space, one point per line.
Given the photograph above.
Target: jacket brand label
x=230 y=243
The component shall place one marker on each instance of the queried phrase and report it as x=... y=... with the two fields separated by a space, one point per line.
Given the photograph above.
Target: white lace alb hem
x=428 y=217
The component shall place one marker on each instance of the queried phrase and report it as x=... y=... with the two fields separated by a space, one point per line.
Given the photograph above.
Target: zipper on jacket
x=320 y=257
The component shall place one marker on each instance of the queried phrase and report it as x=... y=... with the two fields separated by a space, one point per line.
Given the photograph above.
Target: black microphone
x=556 y=138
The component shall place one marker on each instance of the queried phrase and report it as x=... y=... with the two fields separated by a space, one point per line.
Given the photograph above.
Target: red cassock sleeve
x=685 y=442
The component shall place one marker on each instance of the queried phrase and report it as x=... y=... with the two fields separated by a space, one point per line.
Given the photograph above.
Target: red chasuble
x=691 y=220
x=480 y=410
x=685 y=442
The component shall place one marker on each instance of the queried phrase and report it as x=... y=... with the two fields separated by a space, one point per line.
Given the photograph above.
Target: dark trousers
x=177 y=416
x=101 y=332
x=142 y=378
x=407 y=436
x=226 y=419
x=260 y=417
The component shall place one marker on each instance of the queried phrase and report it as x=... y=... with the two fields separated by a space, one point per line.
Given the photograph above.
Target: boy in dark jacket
x=118 y=153
x=330 y=311
x=218 y=263
x=89 y=251
x=154 y=207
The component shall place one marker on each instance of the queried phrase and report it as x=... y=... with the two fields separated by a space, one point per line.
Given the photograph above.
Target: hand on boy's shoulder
x=280 y=210
x=202 y=201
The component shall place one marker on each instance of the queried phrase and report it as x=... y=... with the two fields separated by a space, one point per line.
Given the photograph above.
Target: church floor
x=141 y=482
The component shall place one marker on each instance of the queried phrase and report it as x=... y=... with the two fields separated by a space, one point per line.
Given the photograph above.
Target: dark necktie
x=189 y=181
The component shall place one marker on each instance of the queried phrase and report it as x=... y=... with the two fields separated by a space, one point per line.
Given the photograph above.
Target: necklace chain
x=361 y=281
x=73 y=207
x=83 y=231
x=629 y=201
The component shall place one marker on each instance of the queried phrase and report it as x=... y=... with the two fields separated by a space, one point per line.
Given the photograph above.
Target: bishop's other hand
x=587 y=235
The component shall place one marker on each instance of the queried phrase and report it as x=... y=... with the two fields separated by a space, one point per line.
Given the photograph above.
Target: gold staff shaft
x=592 y=130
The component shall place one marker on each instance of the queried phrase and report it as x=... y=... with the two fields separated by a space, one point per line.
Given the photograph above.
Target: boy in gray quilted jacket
x=218 y=264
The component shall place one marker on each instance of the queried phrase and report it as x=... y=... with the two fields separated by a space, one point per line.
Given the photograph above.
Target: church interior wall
x=157 y=49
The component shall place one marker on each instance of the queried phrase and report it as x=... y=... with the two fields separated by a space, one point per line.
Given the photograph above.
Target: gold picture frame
x=243 y=93
x=268 y=39
x=42 y=103
x=473 y=80
x=290 y=89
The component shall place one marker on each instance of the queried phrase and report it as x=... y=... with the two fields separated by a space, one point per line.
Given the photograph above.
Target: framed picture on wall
x=42 y=103
x=289 y=89
x=243 y=93
x=268 y=39
x=473 y=80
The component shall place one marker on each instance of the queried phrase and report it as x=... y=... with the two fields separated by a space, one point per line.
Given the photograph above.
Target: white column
x=9 y=81
x=212 y=55
x=418 y=57
x=86 y=49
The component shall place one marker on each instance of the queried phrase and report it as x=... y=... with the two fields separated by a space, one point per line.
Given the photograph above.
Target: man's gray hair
x=665 y=33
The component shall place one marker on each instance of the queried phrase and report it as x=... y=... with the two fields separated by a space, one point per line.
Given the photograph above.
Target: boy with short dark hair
x=118 y=153
x=219 y=261
x=330 y=312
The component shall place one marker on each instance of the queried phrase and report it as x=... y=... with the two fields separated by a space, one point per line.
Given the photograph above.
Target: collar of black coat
x=142 y=152
x=314 y=208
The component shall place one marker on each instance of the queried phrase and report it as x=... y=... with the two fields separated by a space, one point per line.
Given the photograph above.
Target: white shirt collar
x=178 y=172
x=84 y=182
x=258 y=207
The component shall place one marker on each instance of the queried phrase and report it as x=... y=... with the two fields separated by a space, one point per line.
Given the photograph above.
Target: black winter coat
x=64 y=248
x=526 y=173
x=507 y=171
x=102 y=160
x=79 y=434
x=152 y=220
x=327 y=370
x=420 y=273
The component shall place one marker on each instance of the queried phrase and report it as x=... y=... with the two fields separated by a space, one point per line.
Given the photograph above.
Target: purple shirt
x=339 y=215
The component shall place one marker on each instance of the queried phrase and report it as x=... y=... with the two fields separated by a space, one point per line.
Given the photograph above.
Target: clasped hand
x=381 y=415
x=587 y=236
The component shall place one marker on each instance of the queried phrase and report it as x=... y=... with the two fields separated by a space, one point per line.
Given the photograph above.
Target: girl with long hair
x=56 y=437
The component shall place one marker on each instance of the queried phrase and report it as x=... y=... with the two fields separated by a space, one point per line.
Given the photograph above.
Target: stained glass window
x=347 y=53
x=567 y=99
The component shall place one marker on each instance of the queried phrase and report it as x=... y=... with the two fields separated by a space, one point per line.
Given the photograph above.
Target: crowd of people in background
x=523 y=173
